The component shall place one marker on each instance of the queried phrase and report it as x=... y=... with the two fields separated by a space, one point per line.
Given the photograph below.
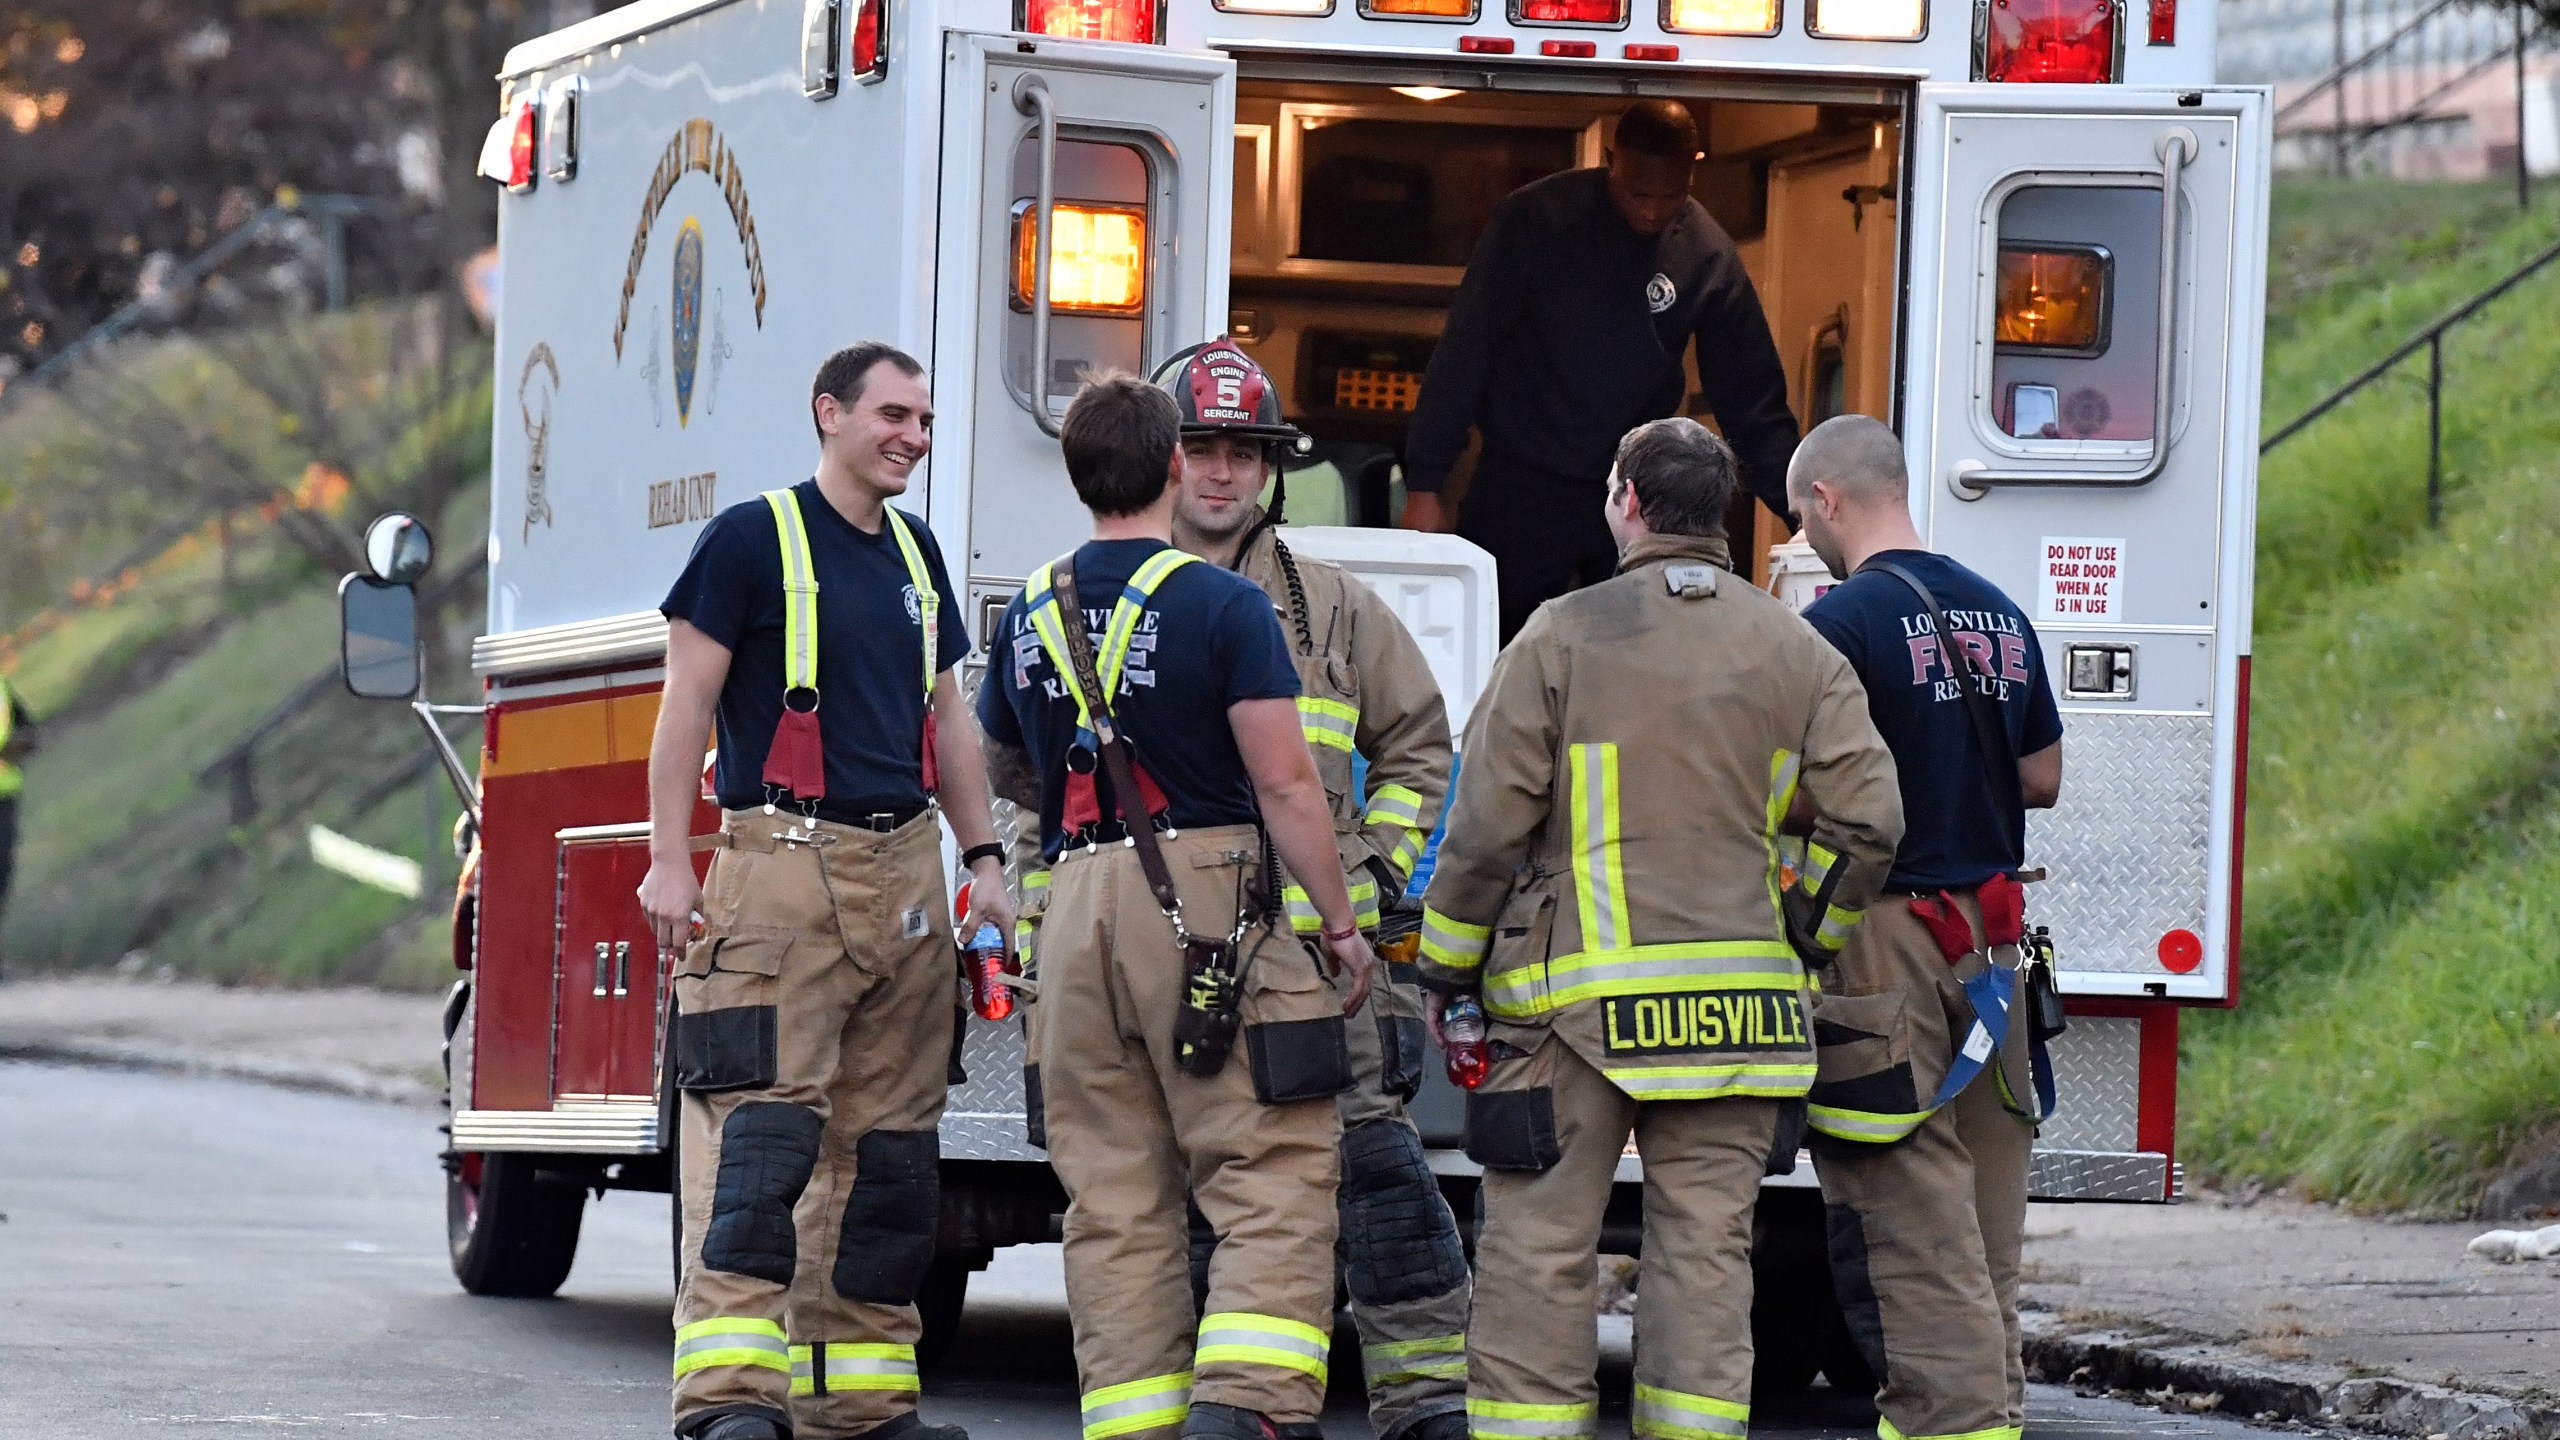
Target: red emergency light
x=870 y=41
x=522 y=144
x=1568 y=49
x=1569 y=12
x=2050 y=42
x=1653 y=52
x=1131 y=22
x=1485 y=44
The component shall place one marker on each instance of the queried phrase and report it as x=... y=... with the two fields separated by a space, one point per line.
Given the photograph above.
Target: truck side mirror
x=378 y=638
x=398 y=548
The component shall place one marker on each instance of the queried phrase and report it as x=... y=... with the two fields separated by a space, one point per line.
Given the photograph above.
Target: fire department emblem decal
x=1659 y=293
x=687 y=318
x=915 y=606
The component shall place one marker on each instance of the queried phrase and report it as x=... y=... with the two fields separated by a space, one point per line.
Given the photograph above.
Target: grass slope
x=2396 y=1043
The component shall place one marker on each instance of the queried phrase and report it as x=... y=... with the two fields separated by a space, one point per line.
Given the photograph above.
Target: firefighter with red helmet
x=1366 y=691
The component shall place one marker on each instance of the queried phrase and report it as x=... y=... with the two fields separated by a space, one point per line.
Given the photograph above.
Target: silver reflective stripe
x=709 y=1340
x=838 y=1364
x=1595 y=799
x=1682 y=1082
x=1836 y=924
x=1562 y=1422
x=1146 y=1404
x=1259 y=1338
x=1674 y=1414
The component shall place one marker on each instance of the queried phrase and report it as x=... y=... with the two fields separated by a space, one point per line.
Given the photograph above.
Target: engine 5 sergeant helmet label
x=1702 y=1024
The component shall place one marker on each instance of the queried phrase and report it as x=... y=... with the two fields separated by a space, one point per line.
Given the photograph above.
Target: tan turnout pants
x=1925 y=1232
x=1129 y=1133
x=811 y=1045
x=1410 y=1286
x=1533 y=1345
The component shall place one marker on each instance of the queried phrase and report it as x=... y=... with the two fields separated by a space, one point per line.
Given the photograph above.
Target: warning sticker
x=2080 y=579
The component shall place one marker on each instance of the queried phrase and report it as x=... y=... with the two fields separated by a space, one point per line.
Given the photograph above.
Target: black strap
x=1116 y=764
x=1999 y=757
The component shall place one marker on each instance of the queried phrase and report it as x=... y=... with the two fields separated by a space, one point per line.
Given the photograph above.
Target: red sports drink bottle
x=1462 y=1027
x=984 y=958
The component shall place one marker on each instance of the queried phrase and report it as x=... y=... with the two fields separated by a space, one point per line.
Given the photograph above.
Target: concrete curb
x=2251 y=1386
x=277 y=1070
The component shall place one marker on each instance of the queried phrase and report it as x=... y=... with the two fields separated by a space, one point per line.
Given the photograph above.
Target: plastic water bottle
x=1462 y=1027
x=985 y=957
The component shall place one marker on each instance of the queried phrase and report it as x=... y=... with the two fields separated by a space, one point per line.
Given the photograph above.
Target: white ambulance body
x=718 y=193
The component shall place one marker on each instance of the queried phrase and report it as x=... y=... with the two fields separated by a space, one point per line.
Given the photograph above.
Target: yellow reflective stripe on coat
x=1836 y=924
x=1328 y=722
x=1155 y=1403
x=1672 y=969
x=836 y=1367
x=1453 y=944
x=1678 y=1415
x=1394 y=805
x=1242 y=1338
x=1599 y=873
x=1711 y=1082
x=729 y=1340
x=799 y=593
x=1507 y=1420
x=1436 y=1357
x=1302 y=911
x=1784 y=767
x=1408 y=851
x=1885 y=1430
x=12 y=780
x=1040 y=600
x=1871 y=1126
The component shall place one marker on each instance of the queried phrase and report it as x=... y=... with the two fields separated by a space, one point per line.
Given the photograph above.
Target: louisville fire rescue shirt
x=1569 y=331
x=1208 y=640
x=1953 y=834
x=870 y=702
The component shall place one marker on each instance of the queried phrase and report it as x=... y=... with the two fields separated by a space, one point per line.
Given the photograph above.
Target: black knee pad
x=766 y=1153
x=890 y=1217
x=1852 y=1283
x=1398 y=1240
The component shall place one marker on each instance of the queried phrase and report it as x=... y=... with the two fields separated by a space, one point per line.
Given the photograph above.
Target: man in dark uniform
x=817 y=626
x=1582 y=298
x=1924 y=1166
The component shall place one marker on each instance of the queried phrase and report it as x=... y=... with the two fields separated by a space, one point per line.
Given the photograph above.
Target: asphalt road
x=194 y=1257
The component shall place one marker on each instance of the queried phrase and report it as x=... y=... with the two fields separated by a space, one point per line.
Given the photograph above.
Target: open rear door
x=1129 y=148
x=2082 y=403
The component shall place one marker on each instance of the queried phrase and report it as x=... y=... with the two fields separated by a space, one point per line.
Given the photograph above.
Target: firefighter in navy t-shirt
x=1928 y=1192
x=817 y=626
x=1140 y=1101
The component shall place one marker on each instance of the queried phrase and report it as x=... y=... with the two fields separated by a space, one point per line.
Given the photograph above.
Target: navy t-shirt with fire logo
x=1209 y=639
x=1952 y=835
x=870 y=653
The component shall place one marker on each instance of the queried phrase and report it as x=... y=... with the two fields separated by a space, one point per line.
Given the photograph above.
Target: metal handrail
x=2338 y=76
x=2432 y=340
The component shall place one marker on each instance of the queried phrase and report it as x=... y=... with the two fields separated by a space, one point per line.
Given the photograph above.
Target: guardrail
x=2431 y=340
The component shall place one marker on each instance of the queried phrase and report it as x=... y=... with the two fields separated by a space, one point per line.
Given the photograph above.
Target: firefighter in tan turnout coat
x=1638 y=747
x=1365 y=690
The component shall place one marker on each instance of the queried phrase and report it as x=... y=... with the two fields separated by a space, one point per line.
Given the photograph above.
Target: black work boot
x=911 y=1426
x=742 y=1427
x=1447 y=1425
x=1209 y=1420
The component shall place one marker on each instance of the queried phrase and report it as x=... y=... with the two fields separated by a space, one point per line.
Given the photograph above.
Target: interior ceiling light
x=1424 y=93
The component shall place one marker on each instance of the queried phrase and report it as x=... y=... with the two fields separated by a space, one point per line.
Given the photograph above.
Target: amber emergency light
x=1421 y=9
x=1721 y=17
x=1097 y=265
x=2052 y=298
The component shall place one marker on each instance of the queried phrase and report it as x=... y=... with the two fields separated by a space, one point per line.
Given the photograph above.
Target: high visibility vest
x=11 y=779
x=800 y=627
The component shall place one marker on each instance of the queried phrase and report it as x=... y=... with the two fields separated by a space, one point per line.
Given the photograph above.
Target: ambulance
x=2028 y=234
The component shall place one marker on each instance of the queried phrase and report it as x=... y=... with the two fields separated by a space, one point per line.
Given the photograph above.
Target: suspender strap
x=799 y=595
x=1042 y=598
x=795 y=761
x=1092 y=694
